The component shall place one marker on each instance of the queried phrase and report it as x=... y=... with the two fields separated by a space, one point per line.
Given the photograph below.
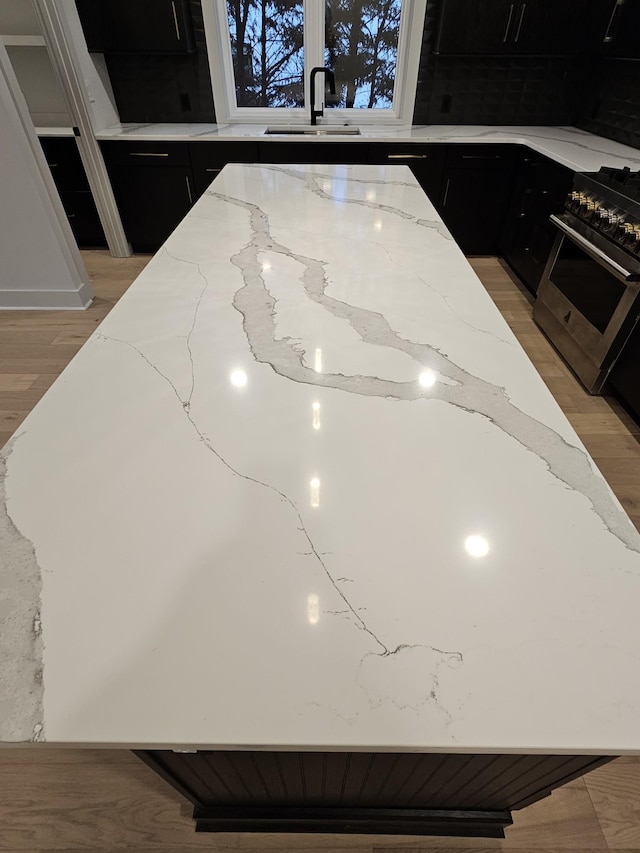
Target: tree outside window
x=360 y=45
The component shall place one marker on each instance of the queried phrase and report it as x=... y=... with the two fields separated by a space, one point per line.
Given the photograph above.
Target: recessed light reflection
x=427 y=378
x=377 y=225
x=315 y=407
x=476 y=545
x=317 y=364
x=371 y=195
x=313 y=609
x=314 y=487
x=326 y=186
x=266 y=266
x=238 y=378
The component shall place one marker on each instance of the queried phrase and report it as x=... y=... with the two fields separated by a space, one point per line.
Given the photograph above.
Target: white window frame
x=216 y=27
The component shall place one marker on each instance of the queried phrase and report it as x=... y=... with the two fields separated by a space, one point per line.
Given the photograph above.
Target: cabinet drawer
x=480 y=156
x=406 y=154
x=314 y=152
x=208 y=158
x=64 y=161
x=120 y=153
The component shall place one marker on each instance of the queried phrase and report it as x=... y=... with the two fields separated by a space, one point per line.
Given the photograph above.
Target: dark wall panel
x=493 y=89
x=611 y=101
x=169 y=88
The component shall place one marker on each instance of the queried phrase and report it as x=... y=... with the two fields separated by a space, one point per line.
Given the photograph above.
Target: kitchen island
x=362 y=573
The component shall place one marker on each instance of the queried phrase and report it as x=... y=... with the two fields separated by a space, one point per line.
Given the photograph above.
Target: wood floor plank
x=615 y=793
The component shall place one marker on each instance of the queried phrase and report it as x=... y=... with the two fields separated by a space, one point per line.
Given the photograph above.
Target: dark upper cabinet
x=476 y=185
x=539 y=189
x=515 y=27
x=137 y=26
x=425 y=161
x=152 y=183
x=474 y=26
x=618 y=33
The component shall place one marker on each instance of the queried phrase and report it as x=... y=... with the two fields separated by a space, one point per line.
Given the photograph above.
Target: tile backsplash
x=611 y=101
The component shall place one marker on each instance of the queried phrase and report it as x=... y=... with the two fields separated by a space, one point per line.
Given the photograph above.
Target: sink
x=301 y=130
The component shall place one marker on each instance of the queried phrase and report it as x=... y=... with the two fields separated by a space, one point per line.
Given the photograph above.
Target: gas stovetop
x=609 y=202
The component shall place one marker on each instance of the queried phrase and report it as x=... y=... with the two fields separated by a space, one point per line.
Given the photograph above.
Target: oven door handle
x=593 y=251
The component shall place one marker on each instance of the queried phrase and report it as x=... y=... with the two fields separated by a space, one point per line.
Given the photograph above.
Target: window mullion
x=313 y=46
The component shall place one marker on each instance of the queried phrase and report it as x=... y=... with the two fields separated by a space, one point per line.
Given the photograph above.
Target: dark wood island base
x=377 y=793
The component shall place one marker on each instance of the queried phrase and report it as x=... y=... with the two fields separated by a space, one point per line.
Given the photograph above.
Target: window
x=261 y=54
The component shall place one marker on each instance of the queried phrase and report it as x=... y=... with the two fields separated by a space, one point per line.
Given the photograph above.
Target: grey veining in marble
x=21 y=686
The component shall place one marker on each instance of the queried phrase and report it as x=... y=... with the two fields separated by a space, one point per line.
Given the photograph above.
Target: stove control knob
x=574 y=200
x=632 y=240
x=623 y=230
x=587 y=207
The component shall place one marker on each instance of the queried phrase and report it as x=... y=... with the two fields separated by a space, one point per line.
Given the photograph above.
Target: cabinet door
x=137 y=26
x=475 y=26
x=624 y=32
x=63 y=159
x=425 y=161
x=625 y=376
x=209 y=158
x=472 y=205
x=539 y=190
x=83 y=219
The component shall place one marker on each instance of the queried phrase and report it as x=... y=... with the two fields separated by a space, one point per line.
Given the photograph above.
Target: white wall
x=40 y=266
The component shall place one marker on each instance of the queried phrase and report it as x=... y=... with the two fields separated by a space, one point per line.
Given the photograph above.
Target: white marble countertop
x=574 y=148
x=303 y=489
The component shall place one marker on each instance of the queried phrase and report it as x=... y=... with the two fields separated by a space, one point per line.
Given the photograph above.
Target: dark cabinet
x=476 y=185
x=209 y=158
x=152 y=183
x=312 y=151
x=625 y=375
x=540 y=188
x=63 y=158
x=516 y=27
x=137 y=26
x=619 y=32
x=425 y=161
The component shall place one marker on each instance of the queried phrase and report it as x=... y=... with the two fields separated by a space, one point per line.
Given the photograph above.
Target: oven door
x=587 y=302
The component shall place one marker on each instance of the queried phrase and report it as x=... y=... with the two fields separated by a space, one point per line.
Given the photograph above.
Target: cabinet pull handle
x=175 y=19
x=609 y=38
x=213 y=170
x=446 y=193
x=506 y=32
x=52 y=165
x=146 y=154
x=524 y=9
x=407 y=156
x=186 y=177
x=70 y=215
x=482 y=156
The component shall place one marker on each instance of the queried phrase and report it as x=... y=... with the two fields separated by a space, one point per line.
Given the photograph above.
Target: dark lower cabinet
x=476 y=187
x=63 y=158
x=209 y=158
x=540 y=188
x=153 y=186
x=312 y=151
x=425 y=161
x=625 y=376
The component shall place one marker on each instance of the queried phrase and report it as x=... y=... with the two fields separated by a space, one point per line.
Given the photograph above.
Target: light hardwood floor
x=82 y=800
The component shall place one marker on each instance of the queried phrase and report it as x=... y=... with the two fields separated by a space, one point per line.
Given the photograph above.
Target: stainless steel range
x=588 y=300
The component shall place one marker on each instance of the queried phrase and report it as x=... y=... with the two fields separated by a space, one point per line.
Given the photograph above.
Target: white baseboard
x=46 y=300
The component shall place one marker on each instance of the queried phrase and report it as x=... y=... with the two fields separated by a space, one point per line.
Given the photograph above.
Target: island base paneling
x=362 y=792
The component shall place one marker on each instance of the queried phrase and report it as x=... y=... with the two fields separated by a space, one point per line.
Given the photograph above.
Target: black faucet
x=332 y=88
